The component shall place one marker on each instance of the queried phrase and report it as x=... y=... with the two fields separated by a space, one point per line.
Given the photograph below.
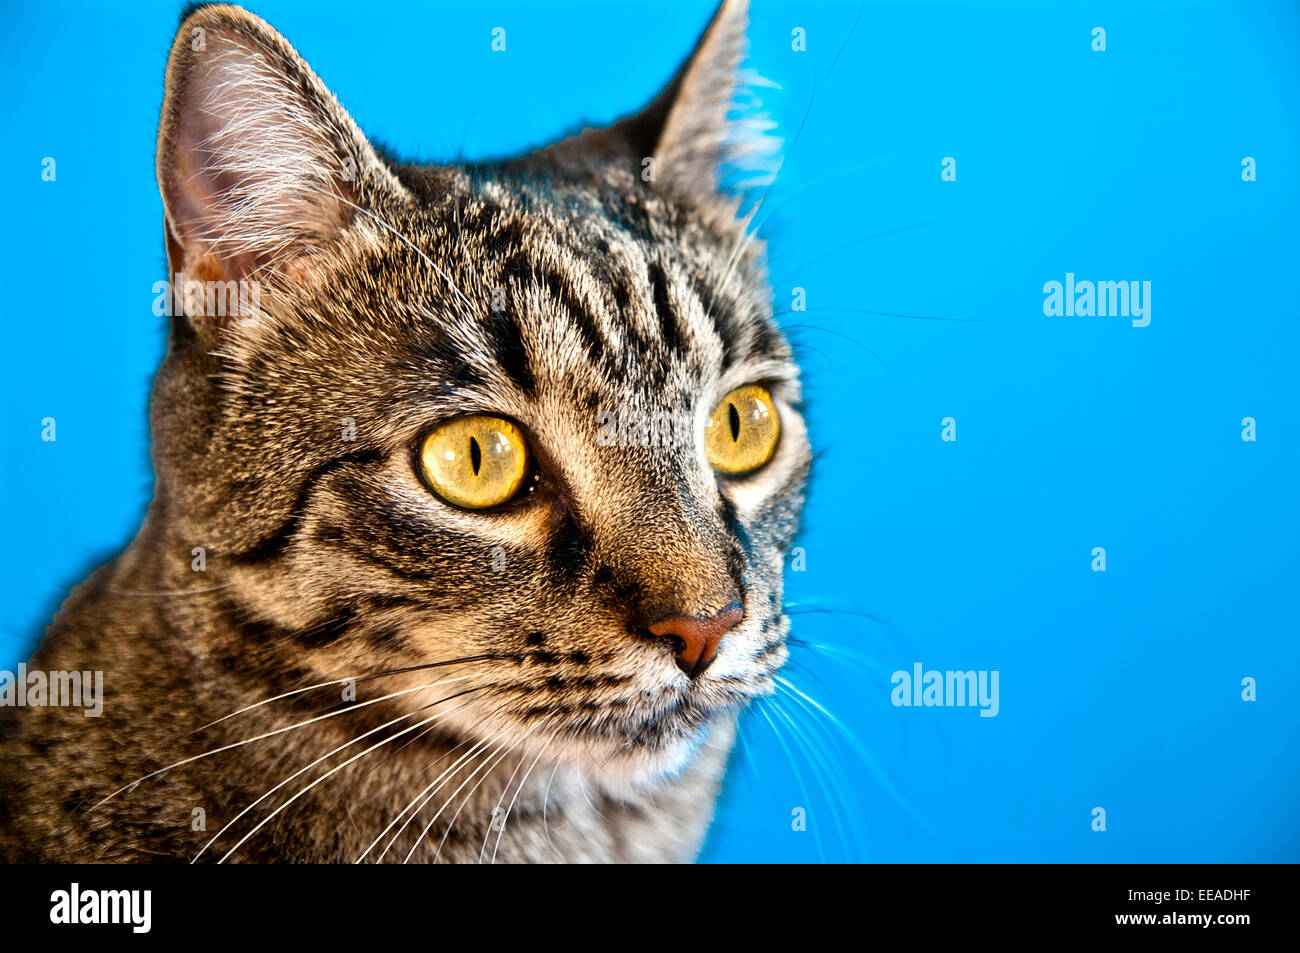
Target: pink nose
x=696 y=640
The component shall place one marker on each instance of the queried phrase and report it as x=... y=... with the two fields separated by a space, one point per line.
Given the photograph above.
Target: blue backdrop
x=1121 y=690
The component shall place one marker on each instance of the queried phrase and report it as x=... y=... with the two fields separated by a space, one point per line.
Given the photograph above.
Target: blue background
x=1119 y=689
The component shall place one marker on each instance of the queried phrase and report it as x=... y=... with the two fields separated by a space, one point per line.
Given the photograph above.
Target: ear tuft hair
x=710 y=134
x=257 y=162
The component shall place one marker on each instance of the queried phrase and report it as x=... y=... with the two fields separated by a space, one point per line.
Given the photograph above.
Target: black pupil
x=734 y=416
x=475 y=455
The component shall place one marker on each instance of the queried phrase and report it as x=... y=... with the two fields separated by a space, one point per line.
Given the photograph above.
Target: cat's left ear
x=258 y=164
x=698 y=127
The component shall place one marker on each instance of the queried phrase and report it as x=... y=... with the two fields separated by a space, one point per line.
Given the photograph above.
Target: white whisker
x=511 y=805
x=426 y=795
x=323 y=777
x=262 y=737
x=325 y=757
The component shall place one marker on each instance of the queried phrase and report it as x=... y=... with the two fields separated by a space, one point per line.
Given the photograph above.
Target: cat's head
x=534 y=414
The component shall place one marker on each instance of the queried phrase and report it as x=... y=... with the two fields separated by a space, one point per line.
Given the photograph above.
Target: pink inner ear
x=255 y=160
x=195 y=203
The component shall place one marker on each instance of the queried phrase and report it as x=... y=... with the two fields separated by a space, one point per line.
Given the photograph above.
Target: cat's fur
x=327 y=559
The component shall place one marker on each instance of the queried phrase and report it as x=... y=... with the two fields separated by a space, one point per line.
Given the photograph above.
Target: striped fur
x=284 y=448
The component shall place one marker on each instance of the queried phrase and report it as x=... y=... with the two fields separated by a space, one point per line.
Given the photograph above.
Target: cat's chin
x=699 y=725
x=676 y=751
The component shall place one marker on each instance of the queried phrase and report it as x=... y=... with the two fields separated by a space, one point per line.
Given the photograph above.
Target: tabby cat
x=489 y=481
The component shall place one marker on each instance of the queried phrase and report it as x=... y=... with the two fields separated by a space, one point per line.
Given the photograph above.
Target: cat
x=447 y=610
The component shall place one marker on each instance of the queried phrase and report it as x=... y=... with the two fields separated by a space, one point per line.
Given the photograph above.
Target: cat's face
x=611 y=585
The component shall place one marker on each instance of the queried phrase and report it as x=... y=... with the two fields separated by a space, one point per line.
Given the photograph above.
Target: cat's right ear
x=258 y=165
x=697 y=126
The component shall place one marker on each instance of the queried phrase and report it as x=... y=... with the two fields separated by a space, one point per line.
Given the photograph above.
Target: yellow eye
x=475 y=462
x=741 y=434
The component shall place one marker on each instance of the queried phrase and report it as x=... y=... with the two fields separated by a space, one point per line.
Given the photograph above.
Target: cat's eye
x=742 y=431
x=475 y=462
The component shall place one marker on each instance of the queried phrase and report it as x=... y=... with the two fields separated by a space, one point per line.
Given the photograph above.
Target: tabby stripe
x=454 y=368
x=741 y=551
x=621 y=283
x=265 y=633
x=668 y=333
x=766 y=341
x=738 y=532
x=570 y=549
x=275 y=544
x=373 y=556
x=579 y=316
x=522 y=269
x=507 y=238
x=718 y=314
x=511 y=354
x=327 y=631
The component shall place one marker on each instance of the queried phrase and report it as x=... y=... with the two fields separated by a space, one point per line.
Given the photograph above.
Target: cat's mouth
x=659 y=730
x=633 y=714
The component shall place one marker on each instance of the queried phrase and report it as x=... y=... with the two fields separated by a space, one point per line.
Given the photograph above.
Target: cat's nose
x=696 y=639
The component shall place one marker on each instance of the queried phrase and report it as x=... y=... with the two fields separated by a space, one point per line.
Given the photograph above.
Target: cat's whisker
x=343 y=681
x=881 y=314
x=820 y=608
x=546 y=798
x=804 y=666
x=485 y=759
x=753 y=224
x=268 y=701
x=340 y=767
x=489 y=764
x=803 y=347
x=891 y=635
x=427 y=795
x=761 y=707
x=843 y=46
x=812 y=99
x=423 y=798
x=813 y=758
x=748 y=756
x=872 y=764
x=796 y=692
x=510 y=807
x=372 y=216
x=415 y=248
x=504 y=788
x=855 y=169
x=842 y=246
x=750 y=224
x=415 y=739
x=264 y=736
x=838 y=334
x=341 y=747
x=848 y=809
x=486 y=774
x=423 y=795
x=854 y=658
x=583 y=788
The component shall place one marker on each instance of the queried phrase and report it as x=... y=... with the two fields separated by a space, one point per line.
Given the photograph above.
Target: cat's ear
x=706 y=118
x=258 y=164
